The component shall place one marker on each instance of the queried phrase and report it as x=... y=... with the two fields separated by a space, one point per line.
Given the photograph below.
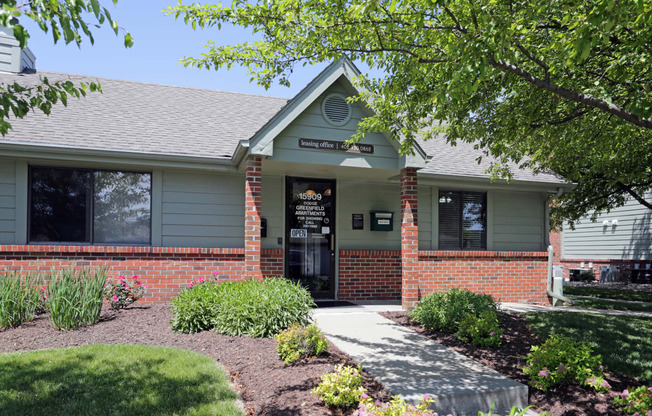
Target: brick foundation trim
x=624 y=264
x=507 y=276
x=368 y=275
x=166 y=270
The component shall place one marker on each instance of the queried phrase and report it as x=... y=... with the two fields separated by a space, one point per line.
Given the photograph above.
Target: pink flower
x=190 y=284
x=45 y=296
x=134 y=277
x=121 y=277
x=146 y=286
x=624 y=394
x=201 y=280
x=605 y=383
x=214 y=274
x=364 y=396
x=115 y=298
x=562 y=367
x=544 y=373
x=492 y=334
x=427 y=397
x=42 y=288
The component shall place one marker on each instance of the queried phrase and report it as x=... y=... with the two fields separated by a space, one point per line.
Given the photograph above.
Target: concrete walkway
x=523 y=308
x=412 y=365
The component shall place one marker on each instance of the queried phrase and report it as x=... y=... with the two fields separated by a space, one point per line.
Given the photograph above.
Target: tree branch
x=572 y=95
x=636 y=196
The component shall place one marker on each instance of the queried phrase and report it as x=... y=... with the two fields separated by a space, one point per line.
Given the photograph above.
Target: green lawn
x=116 y=380
x=624 y=342
x=608 y=293
x=596 y=303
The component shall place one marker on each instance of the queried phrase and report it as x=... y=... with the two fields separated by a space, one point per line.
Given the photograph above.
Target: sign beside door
x=310 y=238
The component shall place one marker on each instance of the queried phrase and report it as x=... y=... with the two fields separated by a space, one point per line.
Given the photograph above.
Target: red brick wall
x=555 y=242
x=507 y=276
x=166 y=270
x=409 y=238
x=252 y=252
x=367 y=275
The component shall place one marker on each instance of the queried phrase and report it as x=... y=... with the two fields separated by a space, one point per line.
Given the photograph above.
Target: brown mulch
x=265 y=384
x=508 y=359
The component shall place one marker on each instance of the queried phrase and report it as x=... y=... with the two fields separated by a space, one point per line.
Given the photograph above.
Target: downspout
x=560 y=191
x=549 y=285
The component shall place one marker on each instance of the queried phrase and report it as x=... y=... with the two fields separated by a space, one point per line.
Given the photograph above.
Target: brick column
x=252 y=217
x=409 y=239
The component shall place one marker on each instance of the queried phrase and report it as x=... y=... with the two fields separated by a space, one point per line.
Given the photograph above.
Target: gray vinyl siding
x=272 y=209
x=7 y=201
x=358 y=197
x=424 y=217
x=202 y=210
x=631 y=238
x=518 y=221
x=310 y=124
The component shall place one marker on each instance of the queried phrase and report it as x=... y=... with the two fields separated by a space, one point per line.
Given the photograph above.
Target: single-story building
x=617 y=246
x=173 y=183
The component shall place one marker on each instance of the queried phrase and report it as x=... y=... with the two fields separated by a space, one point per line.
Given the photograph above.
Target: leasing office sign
x=336 y=146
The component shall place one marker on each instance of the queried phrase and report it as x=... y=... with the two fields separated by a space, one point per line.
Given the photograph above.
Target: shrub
x=121 y=293
x=482 y=330
x=635 y=401
x=19 y=299
x=561 y=360
x=262 y=309
x=195 y=309
x=443 y=311
x=341 y=388
x=299 y=342
x=75 y=297
x=396 y=407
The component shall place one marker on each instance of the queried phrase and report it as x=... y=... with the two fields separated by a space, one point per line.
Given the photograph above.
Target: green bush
x=299 y=342
x=19 y=299
x=482 y=330
x=637 y=401
x=561 y=360
x=75 y=297
x=262 y=309
x=444 y=311
x=342 y=388
x=256 y=308
x=195 y=309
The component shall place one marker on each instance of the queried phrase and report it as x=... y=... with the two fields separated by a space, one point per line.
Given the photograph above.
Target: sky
x=160 y=43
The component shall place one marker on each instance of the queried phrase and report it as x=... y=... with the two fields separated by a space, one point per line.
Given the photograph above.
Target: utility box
x=557 y=289
x=382 y=221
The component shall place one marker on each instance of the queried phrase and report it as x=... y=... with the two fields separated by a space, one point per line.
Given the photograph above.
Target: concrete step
x=412 y=365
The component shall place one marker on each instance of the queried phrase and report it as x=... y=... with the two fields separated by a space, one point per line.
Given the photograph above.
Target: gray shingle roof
x=460 y=160
x=139 y=117
x=160 y=119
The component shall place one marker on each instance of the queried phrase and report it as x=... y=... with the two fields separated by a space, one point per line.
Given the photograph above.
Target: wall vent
x=336 y=110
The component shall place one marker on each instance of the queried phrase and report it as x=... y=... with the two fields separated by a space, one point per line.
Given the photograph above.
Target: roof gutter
x=35 y=151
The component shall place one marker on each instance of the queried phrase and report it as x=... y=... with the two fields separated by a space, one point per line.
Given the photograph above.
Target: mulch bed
x=568 y=400
x=266 y=385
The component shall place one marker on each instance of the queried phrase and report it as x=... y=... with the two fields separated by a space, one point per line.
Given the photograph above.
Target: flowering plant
x=341 y=388
x=395 y=407
x=299 y=342
x=561 y=360
x=636 y=401
x=482 y=330
x=122 y=293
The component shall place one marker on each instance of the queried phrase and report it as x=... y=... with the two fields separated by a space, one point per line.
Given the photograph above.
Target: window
x=462 y=220
x=86 y=206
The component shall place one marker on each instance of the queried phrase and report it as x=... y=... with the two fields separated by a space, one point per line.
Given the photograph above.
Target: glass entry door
x=310 y=234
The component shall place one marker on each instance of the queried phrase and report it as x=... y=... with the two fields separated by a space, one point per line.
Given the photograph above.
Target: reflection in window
x=83 y=206
x=462 y=220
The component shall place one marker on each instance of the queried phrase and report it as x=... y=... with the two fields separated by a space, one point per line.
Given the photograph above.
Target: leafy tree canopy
x=69 y=20
x=554 y=85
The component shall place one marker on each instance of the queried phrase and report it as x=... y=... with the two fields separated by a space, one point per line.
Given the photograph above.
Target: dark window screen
x=60 y=200
x=462 y=220
x=84 y=206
